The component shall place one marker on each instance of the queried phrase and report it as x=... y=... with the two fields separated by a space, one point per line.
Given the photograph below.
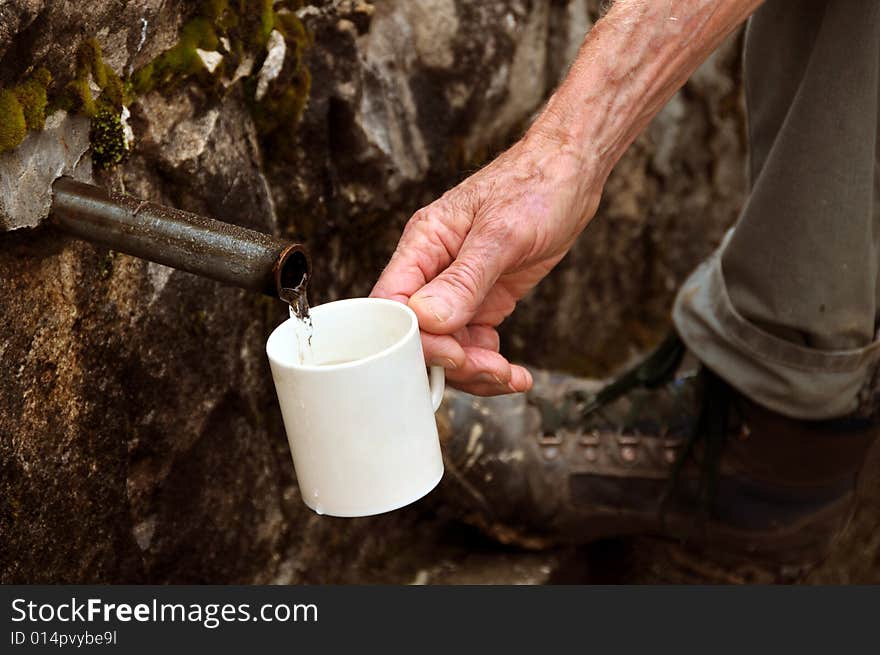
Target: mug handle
x=437 y=384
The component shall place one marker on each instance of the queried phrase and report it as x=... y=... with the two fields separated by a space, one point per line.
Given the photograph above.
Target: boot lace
x=705 y=443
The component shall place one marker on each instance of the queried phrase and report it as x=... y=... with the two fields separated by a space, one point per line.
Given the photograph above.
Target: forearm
x=629 y=66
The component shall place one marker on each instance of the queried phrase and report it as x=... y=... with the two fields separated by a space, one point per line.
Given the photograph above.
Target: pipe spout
x=221 y=251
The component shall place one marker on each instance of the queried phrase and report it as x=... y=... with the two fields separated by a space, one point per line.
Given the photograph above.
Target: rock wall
x=139 y=438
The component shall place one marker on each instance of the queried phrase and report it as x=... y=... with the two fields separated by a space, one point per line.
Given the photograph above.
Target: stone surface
x=139 y=437
x=27 y=173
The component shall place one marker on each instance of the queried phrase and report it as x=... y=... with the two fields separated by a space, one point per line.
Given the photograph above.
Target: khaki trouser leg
x=786 y=309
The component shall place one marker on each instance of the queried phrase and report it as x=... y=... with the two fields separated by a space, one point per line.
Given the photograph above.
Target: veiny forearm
x=631 y=63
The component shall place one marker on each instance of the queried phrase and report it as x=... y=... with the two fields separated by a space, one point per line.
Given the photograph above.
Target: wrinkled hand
x=465 y=260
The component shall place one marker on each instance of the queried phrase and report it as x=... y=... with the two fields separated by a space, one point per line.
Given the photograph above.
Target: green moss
x=90 y=61
x=142 y=79
x=180 y=61
x=32 y=94
x=200 y=33
x=13 y=127
x=267 y=23
x=246 y=26
x=23 y=107
x=112 y=91
x=249 y=22
x=90 y=68
x=227 y=23
x=277 y=114
x=214 y=10
x=107 y=136
x=78 y=97
x=294 y=32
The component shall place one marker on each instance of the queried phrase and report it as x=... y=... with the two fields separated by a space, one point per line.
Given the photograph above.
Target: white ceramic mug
x=362 y=432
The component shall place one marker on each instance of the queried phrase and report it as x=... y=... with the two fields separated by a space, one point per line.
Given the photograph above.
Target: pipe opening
x=292 y=272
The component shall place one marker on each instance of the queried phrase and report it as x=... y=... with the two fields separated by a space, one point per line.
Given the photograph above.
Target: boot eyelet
x=550 y=440
x=628 y=445
x=550 y=452
x=670 y=449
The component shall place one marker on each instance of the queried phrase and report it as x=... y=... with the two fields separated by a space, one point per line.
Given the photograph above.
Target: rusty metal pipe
x=214 y=249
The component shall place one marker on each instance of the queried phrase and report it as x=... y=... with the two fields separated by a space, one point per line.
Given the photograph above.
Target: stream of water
x=298 y=301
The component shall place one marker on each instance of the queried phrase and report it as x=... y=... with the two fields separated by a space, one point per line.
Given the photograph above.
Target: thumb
x=449 y=301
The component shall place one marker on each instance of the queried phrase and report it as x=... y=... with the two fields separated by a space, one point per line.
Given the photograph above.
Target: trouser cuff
x=788 y=378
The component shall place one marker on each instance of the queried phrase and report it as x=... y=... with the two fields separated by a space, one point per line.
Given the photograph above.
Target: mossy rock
x=245 y=26
x=13 y=126
x=32 y=94
x=180 y=61
x=107 y=137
